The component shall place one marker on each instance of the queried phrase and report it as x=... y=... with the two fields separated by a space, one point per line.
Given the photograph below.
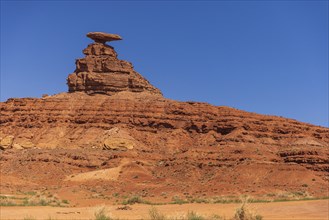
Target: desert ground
x=316 y=209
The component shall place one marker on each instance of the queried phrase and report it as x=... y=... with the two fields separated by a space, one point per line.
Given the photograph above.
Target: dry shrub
x=156 y=215
x=243 y=213
x=100 y=214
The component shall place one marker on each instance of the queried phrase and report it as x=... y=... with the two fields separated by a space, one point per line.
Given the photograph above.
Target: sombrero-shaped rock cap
x=102 y=37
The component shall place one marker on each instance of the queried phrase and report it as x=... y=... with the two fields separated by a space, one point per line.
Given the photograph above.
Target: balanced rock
x=101 y=37
x=100 y=71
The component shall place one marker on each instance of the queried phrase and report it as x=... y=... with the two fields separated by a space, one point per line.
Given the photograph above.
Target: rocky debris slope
x=171 y=145
x=102 y=72
x=189 y=173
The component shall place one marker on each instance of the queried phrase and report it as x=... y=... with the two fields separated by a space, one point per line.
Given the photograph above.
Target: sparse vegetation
x=242 y=213
x=286 y=197
x=177 y=200
x=115 y=195
x=225 y=200
x=31 y=193
x=29 y=218
x=198 y=200
x=132 y=200
x=156 y=215
x=100 y=214
x=33 y=199
x=7 y=203
x=194 y=216
x=65 y=201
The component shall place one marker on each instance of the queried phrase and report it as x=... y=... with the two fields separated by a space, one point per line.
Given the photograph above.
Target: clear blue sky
x=269 y=57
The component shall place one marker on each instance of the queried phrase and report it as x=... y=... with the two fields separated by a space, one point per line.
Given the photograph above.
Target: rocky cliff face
x=103 y=73
x=170 y=145
x=77 y=120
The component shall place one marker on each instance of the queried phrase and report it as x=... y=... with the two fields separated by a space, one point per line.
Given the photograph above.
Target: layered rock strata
x=188 y=148
x=100 y=71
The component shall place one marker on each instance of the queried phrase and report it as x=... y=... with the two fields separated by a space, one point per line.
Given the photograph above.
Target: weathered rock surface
x=6 y=141
x=101 y=37
x=152 y=144
x=118 y=139
x=77 y=120
x=102 y=72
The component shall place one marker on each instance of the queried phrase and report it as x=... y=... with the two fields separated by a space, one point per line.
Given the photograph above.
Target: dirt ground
x=308 y=210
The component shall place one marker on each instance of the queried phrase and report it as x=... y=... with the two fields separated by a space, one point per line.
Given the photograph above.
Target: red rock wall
x=101 y=72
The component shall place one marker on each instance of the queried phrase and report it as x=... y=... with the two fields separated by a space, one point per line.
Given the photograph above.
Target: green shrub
x=43 y=202
x=8 y=203
x=132 y=200
x=177 y=200
x=65 y=201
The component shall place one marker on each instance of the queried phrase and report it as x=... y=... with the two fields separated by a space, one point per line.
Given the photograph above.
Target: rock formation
x=129 y=129
x=101 y=71
x=101 y=37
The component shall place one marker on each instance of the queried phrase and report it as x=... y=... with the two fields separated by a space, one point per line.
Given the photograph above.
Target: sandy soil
x=310 y=210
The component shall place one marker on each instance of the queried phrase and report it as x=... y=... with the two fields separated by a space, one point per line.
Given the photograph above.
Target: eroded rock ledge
x=100 y=71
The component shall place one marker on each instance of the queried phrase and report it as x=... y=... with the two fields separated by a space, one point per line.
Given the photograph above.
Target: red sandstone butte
x=113 y=121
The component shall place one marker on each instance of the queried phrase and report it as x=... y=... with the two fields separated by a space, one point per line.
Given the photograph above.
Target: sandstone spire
x=100 y=71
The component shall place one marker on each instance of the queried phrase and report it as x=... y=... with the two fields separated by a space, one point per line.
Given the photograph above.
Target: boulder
x=6 y=142
x=118 y=139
